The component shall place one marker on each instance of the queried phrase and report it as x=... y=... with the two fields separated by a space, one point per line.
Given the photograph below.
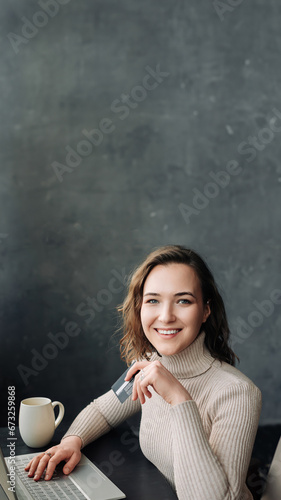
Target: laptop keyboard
x=57 y=488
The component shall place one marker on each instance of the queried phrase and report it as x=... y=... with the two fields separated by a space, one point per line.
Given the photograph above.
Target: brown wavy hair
x=135 y=345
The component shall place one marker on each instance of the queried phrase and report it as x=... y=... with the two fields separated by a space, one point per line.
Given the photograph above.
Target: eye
x=184 y=301
x=152 y=301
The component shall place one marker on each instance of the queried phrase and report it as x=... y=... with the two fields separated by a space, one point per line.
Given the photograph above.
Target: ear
x=207 y=311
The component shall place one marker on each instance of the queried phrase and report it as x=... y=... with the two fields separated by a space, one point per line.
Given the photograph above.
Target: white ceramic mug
x=37 y=422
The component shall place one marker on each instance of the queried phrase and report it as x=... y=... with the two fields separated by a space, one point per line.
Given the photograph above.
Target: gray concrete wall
x=124 y=126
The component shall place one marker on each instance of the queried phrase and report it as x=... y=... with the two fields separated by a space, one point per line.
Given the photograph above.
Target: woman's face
x=172 y=310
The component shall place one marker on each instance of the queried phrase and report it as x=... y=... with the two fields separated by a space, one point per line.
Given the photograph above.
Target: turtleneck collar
x=192 y=361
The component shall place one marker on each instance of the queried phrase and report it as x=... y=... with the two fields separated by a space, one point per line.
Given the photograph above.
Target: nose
x=166 y=314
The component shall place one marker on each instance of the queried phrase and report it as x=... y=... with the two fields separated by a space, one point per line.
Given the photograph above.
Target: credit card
x=123 y=389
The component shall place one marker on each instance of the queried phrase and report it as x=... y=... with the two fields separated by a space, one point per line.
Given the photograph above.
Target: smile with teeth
x=167 y=332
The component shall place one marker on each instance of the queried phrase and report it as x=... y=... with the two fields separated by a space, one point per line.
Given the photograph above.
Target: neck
x=192 y=361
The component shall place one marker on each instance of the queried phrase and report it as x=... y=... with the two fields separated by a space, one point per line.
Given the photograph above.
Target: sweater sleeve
x=216 y=468
x=100 y=416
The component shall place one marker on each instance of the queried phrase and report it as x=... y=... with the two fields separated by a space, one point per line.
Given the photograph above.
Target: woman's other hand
x=154 y=374
x=68 y=450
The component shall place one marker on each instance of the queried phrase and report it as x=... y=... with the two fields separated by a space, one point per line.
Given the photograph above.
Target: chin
x=168 y=350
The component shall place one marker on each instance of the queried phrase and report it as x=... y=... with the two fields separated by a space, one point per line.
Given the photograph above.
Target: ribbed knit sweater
x=203 y=446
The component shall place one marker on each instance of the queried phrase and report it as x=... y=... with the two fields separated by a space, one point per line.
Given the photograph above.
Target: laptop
x=86 y=482
x=273 y=481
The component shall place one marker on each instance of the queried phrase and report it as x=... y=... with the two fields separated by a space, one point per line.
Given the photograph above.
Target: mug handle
x=61 y=412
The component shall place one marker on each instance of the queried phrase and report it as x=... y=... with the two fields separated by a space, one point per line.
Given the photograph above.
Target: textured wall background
x=124 y=126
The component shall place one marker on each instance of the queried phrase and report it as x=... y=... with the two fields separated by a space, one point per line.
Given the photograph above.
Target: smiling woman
x=193 y=277
x=199 y=413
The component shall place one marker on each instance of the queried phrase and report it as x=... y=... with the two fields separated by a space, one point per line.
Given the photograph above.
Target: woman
x=199 y=413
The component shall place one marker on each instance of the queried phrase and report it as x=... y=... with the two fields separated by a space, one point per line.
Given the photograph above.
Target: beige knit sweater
x=203 y=447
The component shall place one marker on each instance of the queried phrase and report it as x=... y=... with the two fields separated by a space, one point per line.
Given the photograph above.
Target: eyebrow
x=179 y=294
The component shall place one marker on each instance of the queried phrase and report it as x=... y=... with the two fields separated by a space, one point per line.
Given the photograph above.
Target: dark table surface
x=119 y=457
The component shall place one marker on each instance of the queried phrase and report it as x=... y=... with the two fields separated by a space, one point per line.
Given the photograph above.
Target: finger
x=135 y=392
x=145 y=389
x=133 y=370
x=43 y=463
x=138 y=389
x=53 y=462
x=140 y=393
x=28 y=465
x=138 y=365
x=41 y=467
x=144 y=383
x=32 y=466
x=72 y=462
